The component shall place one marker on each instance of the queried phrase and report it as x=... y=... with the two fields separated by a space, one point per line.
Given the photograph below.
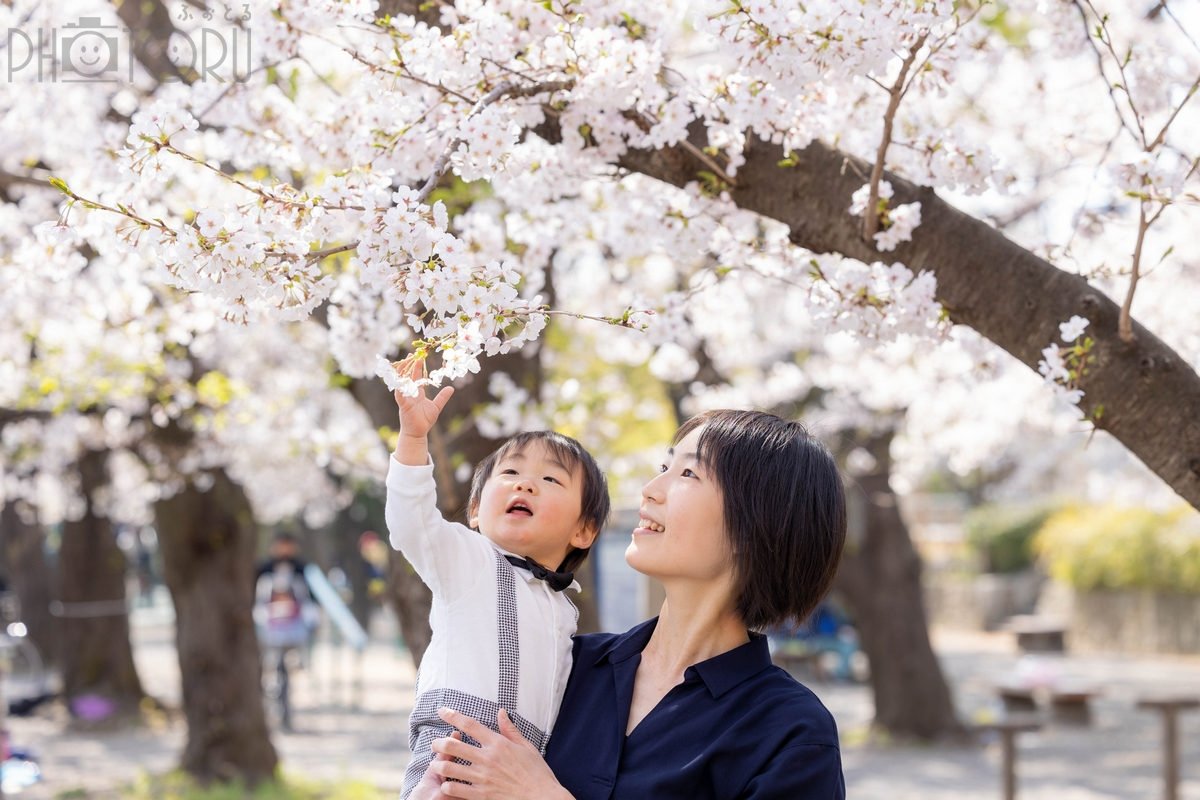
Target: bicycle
x=281 y=645
x=22 y=671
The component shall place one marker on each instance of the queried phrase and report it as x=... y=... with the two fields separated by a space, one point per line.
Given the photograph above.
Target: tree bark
x=30 y=579
x=1141 y=392
x=93 y=613
x=585 y=600
x=342 y=537
x=207 y=543
x=880 y=579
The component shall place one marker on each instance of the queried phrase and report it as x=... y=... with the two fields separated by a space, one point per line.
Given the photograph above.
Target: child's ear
x=584 y=536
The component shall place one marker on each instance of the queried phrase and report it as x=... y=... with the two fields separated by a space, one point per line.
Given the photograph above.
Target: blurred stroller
x=827 y=642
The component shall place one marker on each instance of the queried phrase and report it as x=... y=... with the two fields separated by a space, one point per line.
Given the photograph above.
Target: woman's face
x=681 y=534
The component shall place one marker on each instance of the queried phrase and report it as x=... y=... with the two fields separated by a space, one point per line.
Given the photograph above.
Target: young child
x=502 y=624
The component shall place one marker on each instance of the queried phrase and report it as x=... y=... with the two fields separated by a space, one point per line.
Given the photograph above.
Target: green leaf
x=61 y=185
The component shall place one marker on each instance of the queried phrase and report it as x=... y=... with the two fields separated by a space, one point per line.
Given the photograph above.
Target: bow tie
x=555 y=580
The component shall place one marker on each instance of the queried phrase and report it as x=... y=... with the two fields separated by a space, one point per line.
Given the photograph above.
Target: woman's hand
x=503 y=767
x=428 y=788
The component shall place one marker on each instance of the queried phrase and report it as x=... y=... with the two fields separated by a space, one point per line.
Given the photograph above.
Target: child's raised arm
x=417 y=416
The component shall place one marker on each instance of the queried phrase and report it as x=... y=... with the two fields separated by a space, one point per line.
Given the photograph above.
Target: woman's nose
x=523 y=485
x=652 y=490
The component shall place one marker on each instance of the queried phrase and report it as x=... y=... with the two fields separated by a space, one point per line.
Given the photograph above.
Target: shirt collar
x=719 y=674
x=527 y=575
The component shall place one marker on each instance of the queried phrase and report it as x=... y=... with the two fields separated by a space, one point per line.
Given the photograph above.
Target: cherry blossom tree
x=895 y=171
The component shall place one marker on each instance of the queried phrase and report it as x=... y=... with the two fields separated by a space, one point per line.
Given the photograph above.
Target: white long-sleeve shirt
x=501 y=637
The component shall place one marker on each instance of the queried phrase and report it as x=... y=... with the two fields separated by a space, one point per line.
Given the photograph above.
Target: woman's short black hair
x=785 y=510
x=594 y=502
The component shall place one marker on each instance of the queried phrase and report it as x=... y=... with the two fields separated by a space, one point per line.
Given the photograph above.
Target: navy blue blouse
x=737 y=727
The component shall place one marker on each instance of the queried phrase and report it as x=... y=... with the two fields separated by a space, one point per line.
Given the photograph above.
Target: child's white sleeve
x=449 y=557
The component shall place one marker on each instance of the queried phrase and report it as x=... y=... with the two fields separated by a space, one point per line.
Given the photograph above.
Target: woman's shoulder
x=774 y=695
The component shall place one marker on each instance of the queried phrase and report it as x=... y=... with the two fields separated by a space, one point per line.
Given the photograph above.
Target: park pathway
x=1117 y=758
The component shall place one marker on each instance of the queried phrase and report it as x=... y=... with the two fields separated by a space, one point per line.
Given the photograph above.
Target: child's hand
x=418 y=414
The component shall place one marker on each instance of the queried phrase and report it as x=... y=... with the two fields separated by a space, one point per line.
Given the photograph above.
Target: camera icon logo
x=90 y=50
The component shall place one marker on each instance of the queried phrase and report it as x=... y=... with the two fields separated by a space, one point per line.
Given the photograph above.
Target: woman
x=743 y=527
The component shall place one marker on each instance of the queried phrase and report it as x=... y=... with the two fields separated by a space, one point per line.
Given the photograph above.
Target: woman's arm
x=503 y=767
x=800 y=772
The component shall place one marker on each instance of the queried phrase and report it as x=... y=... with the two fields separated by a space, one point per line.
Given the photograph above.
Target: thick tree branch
x=1142 y=392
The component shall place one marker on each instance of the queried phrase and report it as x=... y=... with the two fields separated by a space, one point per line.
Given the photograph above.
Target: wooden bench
x=1038 y=634
x=1170 y=708
x=1072 y=705
x=1018 y=698
x=1008 y=730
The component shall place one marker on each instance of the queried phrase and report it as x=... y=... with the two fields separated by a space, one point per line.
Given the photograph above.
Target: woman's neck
x=693 y=629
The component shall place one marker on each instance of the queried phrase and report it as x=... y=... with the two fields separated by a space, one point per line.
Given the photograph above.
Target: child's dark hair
x=594 y=501
x=785 y=510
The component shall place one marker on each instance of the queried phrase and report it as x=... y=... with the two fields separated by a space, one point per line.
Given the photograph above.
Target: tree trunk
x=1139 y=392
x=30 y=579
x=97 y=658
x=411 y=602
x=343 y=536
x=585 y=601
x=207 y=543
x=880 y=579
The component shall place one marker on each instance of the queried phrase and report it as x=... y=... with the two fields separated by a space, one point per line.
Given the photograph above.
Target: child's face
x=531 y=505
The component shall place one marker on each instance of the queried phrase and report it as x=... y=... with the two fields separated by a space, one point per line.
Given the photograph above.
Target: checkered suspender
x=506 y=630
x=424 y=723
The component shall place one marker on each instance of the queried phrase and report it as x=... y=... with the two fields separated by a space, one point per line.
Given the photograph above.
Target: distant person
x=285 y=616
x=502 y=622
x=284 y=610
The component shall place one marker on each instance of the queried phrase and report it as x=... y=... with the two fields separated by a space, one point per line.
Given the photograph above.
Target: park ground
x=348 y=735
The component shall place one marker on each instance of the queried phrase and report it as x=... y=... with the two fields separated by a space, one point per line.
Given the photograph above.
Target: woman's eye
x=509 y=471
x=552 y=479
x=687 y=473
x=662 y=467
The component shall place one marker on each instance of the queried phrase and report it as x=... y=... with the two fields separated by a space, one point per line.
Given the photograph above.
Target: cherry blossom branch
x=265 y=195
x=1125 y=321
x=871 y=215
x=11 y=178
x=1145 y=220
x=1162 y=134
x=120 y=210
x=440 y=167
x=625 y=320
x=645 y=120
x=505 y=89
x=1103 y=34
